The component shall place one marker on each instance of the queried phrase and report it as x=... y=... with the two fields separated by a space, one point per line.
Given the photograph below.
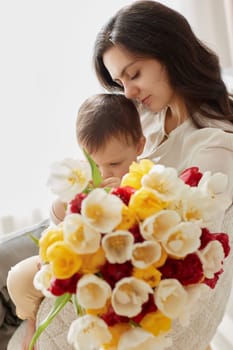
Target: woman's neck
x=176 y=114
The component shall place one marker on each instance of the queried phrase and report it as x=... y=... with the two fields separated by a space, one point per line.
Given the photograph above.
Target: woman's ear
x=140 y=145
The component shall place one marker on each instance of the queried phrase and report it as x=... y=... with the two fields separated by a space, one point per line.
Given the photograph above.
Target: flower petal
x=170 y=297
x=68 y=178
x=102 y=210
x=93 y=292
x=118 y=246
x=139 y=339
x=82 y=238
x=88 y=332
x=128 y=296
x=146 y=253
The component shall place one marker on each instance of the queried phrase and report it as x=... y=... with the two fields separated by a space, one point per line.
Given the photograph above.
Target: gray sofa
x=14 y=247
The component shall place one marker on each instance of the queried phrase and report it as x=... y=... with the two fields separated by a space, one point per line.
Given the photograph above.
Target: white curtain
x=212 y=21
x=228 y=7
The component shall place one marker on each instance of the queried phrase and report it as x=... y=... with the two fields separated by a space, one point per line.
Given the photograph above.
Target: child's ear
x=140 y=145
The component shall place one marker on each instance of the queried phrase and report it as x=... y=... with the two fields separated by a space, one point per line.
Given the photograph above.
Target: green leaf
x=59 y=303
x=96 y=175
x=34 y=239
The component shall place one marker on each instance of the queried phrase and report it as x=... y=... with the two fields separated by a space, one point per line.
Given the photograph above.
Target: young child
x=104 y=130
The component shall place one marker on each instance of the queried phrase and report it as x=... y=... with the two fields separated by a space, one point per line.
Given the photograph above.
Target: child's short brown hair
x=103 y=116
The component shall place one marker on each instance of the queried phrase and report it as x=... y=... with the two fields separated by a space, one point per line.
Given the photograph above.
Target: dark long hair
x=150 y=29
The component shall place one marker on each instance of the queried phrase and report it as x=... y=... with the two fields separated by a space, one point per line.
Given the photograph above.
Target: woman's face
x=143 y=79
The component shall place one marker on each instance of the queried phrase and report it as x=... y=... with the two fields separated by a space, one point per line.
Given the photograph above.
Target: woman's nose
x=130 y=91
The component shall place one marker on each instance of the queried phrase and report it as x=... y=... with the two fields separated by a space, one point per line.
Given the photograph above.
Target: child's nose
x=106 y=173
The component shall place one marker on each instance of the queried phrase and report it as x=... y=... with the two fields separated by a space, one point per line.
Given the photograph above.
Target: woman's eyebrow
x=123 y=72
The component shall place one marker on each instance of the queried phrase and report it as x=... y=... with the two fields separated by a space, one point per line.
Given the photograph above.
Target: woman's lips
x=146 y=100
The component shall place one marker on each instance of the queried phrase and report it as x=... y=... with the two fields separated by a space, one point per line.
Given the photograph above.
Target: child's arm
x=57 y=211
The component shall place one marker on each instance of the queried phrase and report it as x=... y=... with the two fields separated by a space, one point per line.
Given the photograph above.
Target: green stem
x=34 y=239
x=60 y=302
x=78 y=309
x=134 y=324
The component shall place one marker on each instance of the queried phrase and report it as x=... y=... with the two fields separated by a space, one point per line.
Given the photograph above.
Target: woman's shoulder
x=208 y=137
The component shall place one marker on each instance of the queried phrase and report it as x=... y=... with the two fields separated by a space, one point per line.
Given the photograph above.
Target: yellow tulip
x=145 y=203
x=64 y=261
x=91 y=263
x=49 y=236
x=150 y=275
x=116 y=331
x=129 y=219
x=136 y=172
x=156 y=323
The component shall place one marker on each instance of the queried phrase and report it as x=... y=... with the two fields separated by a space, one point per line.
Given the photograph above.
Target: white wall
x=45 y=73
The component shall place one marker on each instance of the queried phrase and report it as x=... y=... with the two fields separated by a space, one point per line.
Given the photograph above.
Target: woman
x=149 y=52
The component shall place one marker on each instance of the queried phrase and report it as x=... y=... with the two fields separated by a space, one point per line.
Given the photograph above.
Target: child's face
x=116 y=156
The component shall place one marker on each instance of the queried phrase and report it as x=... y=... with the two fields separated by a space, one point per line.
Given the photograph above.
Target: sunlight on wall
x=46 y=72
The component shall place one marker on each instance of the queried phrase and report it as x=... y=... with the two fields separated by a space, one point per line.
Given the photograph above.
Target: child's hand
x=39 y=264
x=58 y=211
x=111 y=182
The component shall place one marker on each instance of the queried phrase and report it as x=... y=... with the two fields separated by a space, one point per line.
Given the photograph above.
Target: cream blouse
x=210 y=149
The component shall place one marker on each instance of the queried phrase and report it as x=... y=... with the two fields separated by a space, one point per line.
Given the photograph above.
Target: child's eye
x=114 y=164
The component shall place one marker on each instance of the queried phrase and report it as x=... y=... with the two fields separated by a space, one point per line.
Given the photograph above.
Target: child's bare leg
x=25 y=296
x=29 y=332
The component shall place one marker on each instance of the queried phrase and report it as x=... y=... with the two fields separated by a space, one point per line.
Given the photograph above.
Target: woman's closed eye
x=119 y=83
x=135 y=76
x=130 y=77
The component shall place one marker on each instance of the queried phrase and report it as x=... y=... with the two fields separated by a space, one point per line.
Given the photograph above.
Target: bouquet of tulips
x=132 y=259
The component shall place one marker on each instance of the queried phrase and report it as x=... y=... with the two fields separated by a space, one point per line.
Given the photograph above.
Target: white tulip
x=155 y=227
x=146 y=253
x=170 y=297
x=118 y=246
x=182 y=239
x=69 y=177
x=213 y=183
x=164 y=181
x=212 y=257
x=202 y=206
x=102 y=210
x=139 y=339
x=42 y=280
x=92 y=292
x=128 y=296
x=81 y=237
x=89 y=333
